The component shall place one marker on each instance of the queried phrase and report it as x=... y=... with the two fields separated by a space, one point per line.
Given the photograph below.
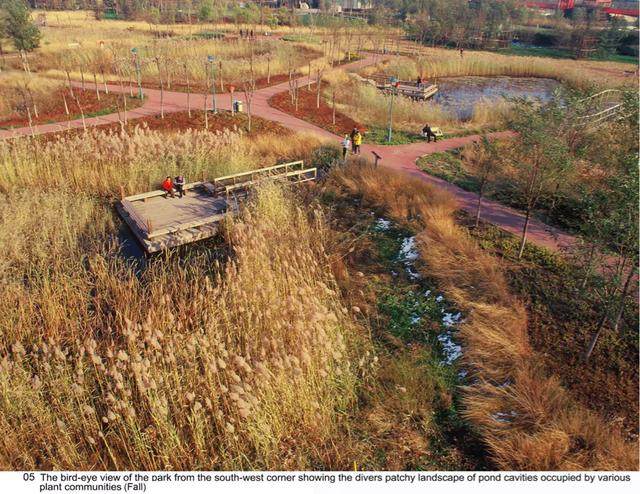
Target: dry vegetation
x=366 y=104
x=526 y=418
x=76 y=45
x=192 y=364
x=246 y=355
x=434 y=63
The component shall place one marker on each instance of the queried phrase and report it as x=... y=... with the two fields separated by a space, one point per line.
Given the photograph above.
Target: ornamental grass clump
x=525 y=416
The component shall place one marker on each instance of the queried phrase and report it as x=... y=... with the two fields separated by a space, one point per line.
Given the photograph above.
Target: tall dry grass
x=527 y=419
x=367 y=104
x=245 y=365
x=98 y=162
x=434 y=63
x=19 y=91
x=75 y=42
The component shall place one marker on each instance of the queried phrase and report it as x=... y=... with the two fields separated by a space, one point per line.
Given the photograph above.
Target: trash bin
x=237 y=106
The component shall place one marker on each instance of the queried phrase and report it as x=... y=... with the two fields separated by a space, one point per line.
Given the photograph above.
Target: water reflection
x=459 y=95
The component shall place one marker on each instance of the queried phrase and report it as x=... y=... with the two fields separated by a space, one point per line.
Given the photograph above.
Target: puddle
x=459 y=95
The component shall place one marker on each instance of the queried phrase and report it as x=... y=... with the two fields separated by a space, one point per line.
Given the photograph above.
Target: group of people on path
x=353 y=141
x=173 y=186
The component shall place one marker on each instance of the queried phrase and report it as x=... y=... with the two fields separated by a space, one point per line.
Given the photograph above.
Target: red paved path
x=400 y=157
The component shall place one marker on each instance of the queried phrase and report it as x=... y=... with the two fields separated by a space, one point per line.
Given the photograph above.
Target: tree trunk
x=596 y=335
x=188 y=97
x=479 y=206
x=104 y=81
x=589 y=266
x=333 y=104
x=95 y=82
x=523 y=242
x=69 y=82
x=623 y=297
x=66 y=107
x=206 y=113
x=318 y=83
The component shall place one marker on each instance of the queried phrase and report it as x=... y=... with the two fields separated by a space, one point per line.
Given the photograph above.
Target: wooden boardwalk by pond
x=160 y=222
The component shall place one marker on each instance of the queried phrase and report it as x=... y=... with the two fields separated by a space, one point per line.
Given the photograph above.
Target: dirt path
x=400 y=157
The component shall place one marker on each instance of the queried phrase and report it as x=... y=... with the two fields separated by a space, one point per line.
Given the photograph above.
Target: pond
x=459 y=95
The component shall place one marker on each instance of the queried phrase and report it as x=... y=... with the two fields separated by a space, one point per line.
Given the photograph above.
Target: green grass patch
x=379 y=135
x=302 y=38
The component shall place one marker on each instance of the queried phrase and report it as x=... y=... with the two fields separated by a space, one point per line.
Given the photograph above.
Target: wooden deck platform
x=410 y=89
x=160 y=222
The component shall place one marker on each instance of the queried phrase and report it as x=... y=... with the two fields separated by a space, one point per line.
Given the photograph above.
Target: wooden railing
x=238 y=181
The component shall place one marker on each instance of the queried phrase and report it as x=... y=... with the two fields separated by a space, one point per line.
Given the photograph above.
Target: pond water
x=459 y=95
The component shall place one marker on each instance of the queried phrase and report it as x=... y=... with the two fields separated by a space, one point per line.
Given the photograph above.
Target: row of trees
x=551 y=139
x=457 y=22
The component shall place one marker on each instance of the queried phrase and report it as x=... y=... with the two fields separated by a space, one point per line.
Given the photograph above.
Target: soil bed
x=307 y=110
x=172 y=122
x=55 y=111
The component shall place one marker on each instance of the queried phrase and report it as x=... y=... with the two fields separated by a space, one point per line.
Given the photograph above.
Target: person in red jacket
x=167 y=186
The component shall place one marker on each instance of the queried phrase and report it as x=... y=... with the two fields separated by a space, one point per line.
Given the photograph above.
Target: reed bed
x=175 y=62
x=99 y=163
x=367 y=104
x=249 y=364
x=434 y=63
x=78 y=46
x=19 y=91
x=526 y=418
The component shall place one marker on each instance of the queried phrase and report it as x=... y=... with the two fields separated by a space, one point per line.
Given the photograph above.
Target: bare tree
x=319 y=72
x=186 y=77
x=206 y=95
x=249 y=88
x=157 y=60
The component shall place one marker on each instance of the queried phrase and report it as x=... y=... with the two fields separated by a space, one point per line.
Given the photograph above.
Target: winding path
x=399 y=157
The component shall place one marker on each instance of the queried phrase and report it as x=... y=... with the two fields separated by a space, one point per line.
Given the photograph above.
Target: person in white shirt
x=346 y=144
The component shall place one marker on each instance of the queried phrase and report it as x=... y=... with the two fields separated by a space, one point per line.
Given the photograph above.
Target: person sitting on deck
x=167 y=186
x=178 y=182
x=428 y=133
x=419 y=81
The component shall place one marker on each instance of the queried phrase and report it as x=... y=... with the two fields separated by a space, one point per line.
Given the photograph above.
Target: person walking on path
x=178 y=182
x=346 y=144
x=167 y=186
x=357 y=141
x=428 y=133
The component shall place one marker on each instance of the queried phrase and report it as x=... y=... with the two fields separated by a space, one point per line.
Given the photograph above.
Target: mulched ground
x=218 y=122
x=173 y=122
x=307 y=110
x=54 y=109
